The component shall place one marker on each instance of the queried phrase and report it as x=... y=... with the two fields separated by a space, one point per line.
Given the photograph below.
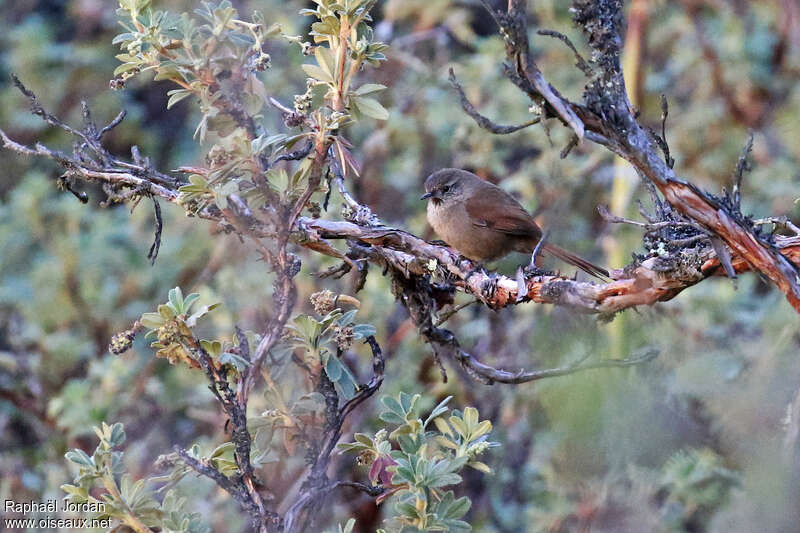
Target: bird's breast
x=455 y=226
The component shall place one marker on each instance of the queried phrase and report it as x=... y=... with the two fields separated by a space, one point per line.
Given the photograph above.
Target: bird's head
x=446 y=185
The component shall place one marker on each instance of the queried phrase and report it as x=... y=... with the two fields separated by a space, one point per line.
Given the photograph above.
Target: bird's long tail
x=572 y=259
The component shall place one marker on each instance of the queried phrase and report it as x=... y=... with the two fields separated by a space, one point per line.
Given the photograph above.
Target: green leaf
x=325 y=60
x=370 y=107
x=442 y=426
x=176 y=299
x=78 y=494
x=222 y=449
x=344 y=381
x=408 y=445
x=406 y=509
x=333 y=367
x=122 y=37
x=458 y=508
x=482 y=429
x=444 y=480
x=213 y=348
x=152 y=320
x=458 y=425
x=239 y=362
x=391 y=418
x=189 y=301
x=117 y=435
x=470 y=417
x=438 y=410
x=347 y=317
x=125 y=67
x=445 y=442
x=348 y=527
x=166 y=311
x=403 y=474
x=200 y=313
x=362 y=331
x=176 y=95
x=483 y=467
x=355 y=447
x=393 y=405
x=317 y=73
x=79 y=457
x=408 y=402
x=369 y=88
x=363 y=439
x=307 y=327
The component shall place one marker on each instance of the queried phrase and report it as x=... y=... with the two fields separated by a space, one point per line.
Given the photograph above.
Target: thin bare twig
x=664 y=144
x=153 y=253
x=356 y=212
x=444 y=317
x=648 y=226
x=741 y=166
x=580 y=62
x=481 y=120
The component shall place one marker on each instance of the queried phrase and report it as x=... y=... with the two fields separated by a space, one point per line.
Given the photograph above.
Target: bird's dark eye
x=446 y=188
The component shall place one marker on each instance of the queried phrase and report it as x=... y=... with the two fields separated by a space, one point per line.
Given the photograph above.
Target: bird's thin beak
x=426 y=196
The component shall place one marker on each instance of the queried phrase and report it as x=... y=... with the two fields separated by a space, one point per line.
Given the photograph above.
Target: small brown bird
x=483 y=222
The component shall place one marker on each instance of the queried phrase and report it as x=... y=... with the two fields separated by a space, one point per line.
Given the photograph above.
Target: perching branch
x=646 y=283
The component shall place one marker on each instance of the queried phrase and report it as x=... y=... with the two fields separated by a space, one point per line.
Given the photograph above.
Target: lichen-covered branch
x=607 y=118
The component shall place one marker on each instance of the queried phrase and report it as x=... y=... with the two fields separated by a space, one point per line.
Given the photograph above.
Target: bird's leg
x=537 y=249
x=532 y=268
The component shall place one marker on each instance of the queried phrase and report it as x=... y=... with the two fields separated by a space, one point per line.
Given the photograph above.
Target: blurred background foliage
x=694 y=441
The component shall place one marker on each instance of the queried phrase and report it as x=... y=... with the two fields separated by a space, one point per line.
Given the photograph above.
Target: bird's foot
x=476 y=269
x=489 y=287
x=533 y=270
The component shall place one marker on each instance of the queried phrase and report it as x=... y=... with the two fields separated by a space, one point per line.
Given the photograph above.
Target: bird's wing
x=493 y=208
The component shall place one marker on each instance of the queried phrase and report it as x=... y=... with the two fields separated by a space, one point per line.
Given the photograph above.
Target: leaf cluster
x=172 y=327
x=424 y=463
x=323 y=341
x=131 y=502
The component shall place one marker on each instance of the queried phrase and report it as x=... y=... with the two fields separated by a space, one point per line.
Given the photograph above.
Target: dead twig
x=156 y=246
x=580 y=62
x=481 y=120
